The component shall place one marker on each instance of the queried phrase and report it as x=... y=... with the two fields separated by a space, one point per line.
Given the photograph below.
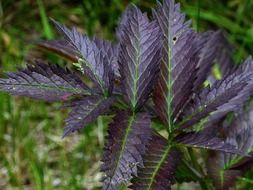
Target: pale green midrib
x=53 y=87
x=124 y=142
x=136 y=76
x=169 y=84
x=164 y=157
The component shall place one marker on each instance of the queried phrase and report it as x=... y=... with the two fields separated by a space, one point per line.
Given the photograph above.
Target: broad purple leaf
x=178 y=66
x=85 y=111
x=44 y=81
x=139 y=57
x=225 y=168
x=226 y=95
x=160 y=163
x=94 y=62
x=206 y=140
x=60 y=47
x=128 y=136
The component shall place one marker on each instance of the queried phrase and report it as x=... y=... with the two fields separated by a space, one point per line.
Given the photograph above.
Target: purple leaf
x=224 y=96
x=110 y=51
x=123 y=22
x=179 y=59
x=128 y=136
x=94 y=62
x=60 y=47
x=139 y=57
x=85 y=111
x=44 y=81
x=160 y=163
x=206 y=140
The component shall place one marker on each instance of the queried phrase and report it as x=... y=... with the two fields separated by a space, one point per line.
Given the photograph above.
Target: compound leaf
x=139 y=57
x=44 y=81
x=85 y=111
x=128 y=136
x=160 y=163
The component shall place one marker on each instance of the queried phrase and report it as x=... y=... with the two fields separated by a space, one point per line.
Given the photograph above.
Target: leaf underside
x=44 y=81
x=226 y=95
x=95 y=63
x=85 y=111
x=128 y=136
x=139 y=57
x=160 y=162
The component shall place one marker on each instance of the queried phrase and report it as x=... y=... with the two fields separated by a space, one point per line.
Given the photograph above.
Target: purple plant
x=153 y=74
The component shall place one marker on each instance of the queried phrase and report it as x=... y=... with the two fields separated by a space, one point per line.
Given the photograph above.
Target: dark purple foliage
x=60 y=47
x=161 y=59
x=204 y=140
x=224 y=96
x=95 y=63
x=139 y=56
x=128 y=136
x=160 y=163
x=85 y=111
x=44 y=81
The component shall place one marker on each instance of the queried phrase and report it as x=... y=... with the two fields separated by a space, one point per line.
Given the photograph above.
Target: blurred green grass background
x=32 y=153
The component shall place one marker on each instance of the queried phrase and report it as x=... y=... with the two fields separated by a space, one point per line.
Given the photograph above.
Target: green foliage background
x=32 y=153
